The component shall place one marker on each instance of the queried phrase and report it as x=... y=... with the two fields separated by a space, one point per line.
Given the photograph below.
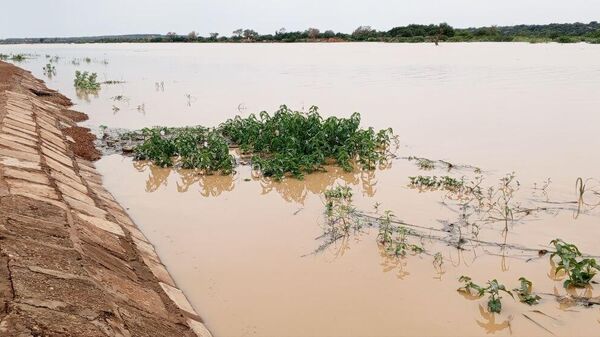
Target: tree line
x=564 y=33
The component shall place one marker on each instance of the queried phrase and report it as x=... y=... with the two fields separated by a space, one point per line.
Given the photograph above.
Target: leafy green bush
x=197 y=148
x=287 y=143
x=86 y=81
x=292 y=142
x=580 y=271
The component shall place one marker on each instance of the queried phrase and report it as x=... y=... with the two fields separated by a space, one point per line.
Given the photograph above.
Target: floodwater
x=241 y=247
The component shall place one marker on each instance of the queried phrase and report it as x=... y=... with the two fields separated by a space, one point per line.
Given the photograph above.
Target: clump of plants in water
x=86 y=81
x=394 y=239
x=49 y=70
x=13 y=57
x=191 y=148
x=580 y=271
x=340 y=213
x=287 y=143
x=524 y=292
x=436 y=183
x=493 y=290
x=294 y=143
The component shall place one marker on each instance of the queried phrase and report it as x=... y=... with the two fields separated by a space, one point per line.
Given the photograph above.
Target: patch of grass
x=580 y=271
x=86 y=81
x=493 y=290
x=524 y=292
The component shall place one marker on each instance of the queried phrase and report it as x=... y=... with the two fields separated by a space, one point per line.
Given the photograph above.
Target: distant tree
x=171 y=36
x=192 y=36
x=281 y=31
x=446 y=30
x=363 y=32
x=250 y=34
x=238 y=32
x=328 y=34
x=313 y=33
x=214 y=36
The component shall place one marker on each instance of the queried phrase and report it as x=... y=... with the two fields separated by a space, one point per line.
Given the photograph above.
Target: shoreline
x=72 y=262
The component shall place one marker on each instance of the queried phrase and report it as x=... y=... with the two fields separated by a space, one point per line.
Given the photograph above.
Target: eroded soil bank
x=72 y=263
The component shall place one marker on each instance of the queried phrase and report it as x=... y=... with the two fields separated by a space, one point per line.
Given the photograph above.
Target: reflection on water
x=489 y=324
x=290 y=190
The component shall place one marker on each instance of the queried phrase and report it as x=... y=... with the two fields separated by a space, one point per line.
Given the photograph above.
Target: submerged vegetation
x=292 y=142
x=192 y=148
x=49 y=70
x=579 y=271
x=493 y=290
x=436 y=183
x=525 y=294
x=287 y=143
x=86 y=81
x=13 y=57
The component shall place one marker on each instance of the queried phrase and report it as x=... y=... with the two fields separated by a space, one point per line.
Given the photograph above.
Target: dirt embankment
x=72 y=263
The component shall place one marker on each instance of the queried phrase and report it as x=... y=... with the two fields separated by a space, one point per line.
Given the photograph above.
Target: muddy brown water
x=239 y=248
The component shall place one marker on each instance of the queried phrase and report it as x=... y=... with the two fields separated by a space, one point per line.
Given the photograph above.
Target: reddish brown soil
x=72 y=263
x=84 y=142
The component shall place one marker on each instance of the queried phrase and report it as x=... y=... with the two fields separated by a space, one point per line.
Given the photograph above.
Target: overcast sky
x=48 y=18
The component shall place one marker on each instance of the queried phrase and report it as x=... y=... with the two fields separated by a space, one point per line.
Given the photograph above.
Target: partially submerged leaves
x=524 y=292
x=86 y=81
x=493 y=289
x=580 y=271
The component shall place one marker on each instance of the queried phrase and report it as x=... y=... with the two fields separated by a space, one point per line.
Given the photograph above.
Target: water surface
x=237 y=248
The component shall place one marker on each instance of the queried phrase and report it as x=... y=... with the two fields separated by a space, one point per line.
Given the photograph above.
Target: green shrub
x=292 y=142
x=580 y=271
x=86 y=81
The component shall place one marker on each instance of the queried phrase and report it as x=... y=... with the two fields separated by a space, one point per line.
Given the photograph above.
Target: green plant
x=395 y=238
x=524 y=292
x=340 y=212
x=435 y=183
x=493 y=289
x=17 y=57
x=49 y=70
x=293 y=143
x=425 y=164
x=86 y=81
x=580 y=271
x=191 y=148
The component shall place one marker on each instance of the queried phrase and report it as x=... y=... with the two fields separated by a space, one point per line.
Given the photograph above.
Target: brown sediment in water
x=72 y=263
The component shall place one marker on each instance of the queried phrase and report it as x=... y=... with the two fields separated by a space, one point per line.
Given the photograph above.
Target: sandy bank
x=72 y=263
